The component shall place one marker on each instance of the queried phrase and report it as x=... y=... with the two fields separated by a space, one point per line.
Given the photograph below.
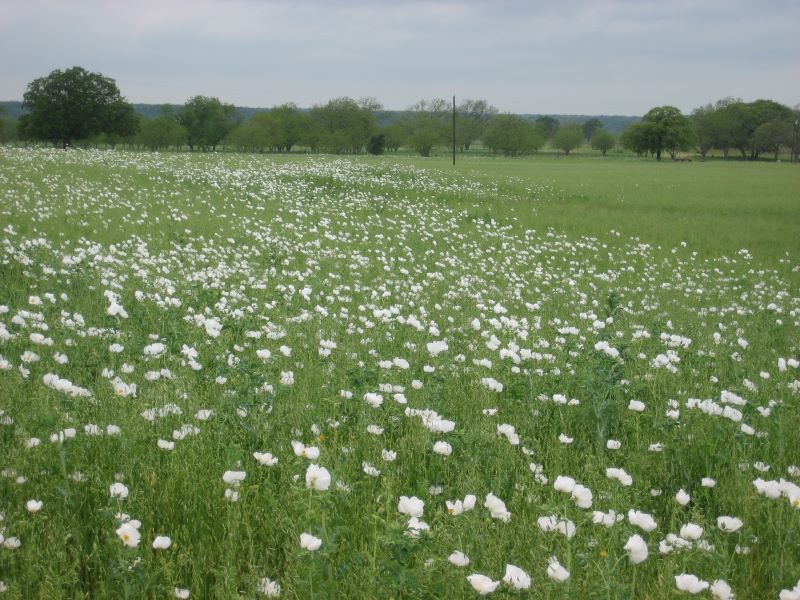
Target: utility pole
x=795 y=153
x=454 y=129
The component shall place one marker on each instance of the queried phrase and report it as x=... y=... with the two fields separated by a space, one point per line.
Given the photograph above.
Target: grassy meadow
x=249 y=376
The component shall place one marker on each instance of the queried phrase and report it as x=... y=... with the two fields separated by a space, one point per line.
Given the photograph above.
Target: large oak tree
x=73 y=105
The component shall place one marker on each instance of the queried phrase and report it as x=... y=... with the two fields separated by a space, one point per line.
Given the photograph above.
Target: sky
x=613 y=57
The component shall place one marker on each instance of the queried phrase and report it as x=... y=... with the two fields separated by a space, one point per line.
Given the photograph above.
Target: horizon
x=615 y=58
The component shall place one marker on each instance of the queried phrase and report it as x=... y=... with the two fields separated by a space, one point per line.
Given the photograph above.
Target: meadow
x=313 y=377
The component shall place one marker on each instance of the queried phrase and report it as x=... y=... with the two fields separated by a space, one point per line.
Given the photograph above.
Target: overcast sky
x=601 y=57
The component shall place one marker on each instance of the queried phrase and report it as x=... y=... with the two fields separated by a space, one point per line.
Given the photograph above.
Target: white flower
x=118 y=490
x=582 y=496
x=708 y=482
x=729 y=524
x=720 y=590
x=271 y=589
x=636 y=549
x=564 y=484
x=162 y=542
x=317 y=478
x=620 y=475
x=413 y=506
x=231 y=495
x=374 y=400
x=686 y=582
x=642 y=520
x=517 y=578
x=682 y=497
x=388 y=455
x=436 y=348
x=309 y=542
x=469 y=501
x=608 y=519
x=166 y=444
x=370 y=470
x=233 y=477
x=691 y=531
x=129 y=535
x=443 y=448
x=34 y=505
x=265 y=459
x=497 y=508
x=454 y=508
x=481 y=583
x=613 y=445
x=565 y=439
x=12 y=543
x=458 y=559
x=416 y=527
x=181 y=593
x=556 y=571
x=309 y=452
x=636 y=406
x=204 y=414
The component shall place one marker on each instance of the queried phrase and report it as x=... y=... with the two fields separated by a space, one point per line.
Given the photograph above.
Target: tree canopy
x=666 y=129
x=603 y=140
x=161 y=132
x=549 y=126
x=207 y=121
x=74 y=105
x=343 y=125
x=427 y=124
x=590 y=126
x=568 y=137
x=512 y=135
x=472 y=118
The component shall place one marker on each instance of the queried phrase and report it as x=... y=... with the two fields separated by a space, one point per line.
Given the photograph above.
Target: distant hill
x=613 y=123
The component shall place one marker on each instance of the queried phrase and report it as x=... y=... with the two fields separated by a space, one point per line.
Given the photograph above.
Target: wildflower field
x=242 y=376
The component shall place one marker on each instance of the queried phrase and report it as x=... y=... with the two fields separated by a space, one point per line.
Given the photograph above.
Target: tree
x=590 y=126
x=603 y=140
x=472 y=118
x=290 y=124
x=7 y=127
x=74 y=105
x=207 y=121
x=512 y=135
x=344 y=126
x=568 y=137
x=666 y=129
x=707 y=121
x=427 y=123
x=549 y=126
x=770 y=136
x=795 y=147
x=161 y=132
x=395 y=134
x=634 y=138
x=376 y=144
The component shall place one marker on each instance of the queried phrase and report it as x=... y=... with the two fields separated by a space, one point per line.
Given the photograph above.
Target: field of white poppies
x=240 y=376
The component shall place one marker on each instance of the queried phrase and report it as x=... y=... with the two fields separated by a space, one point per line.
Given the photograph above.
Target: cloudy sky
x=581 y=56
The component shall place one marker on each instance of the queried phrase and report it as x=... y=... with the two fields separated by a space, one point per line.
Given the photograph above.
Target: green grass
x=383 y=256
x=716 y=207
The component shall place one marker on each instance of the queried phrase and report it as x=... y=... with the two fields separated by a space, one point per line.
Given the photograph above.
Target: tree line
x=75 y=105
